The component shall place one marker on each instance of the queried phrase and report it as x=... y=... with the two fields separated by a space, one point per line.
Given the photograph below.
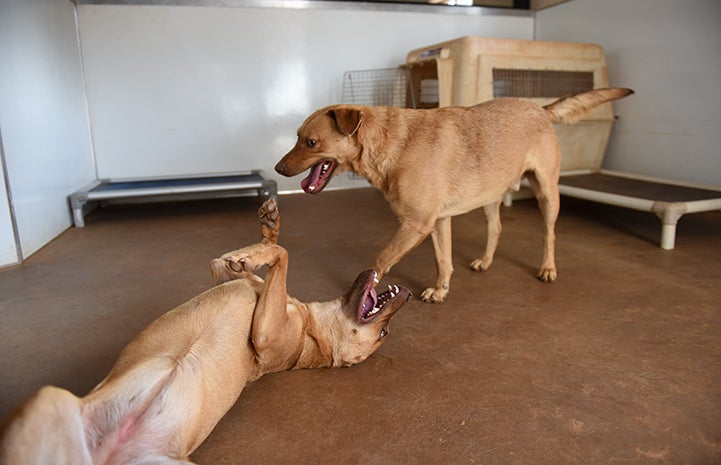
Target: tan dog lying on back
x=179 y=376
x=435 y=164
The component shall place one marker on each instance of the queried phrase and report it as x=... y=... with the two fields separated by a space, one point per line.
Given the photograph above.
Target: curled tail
x=571 y=109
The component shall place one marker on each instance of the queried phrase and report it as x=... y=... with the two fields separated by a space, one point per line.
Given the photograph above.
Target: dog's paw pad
x=269 y=210
x=239 y=264
x=269 y=221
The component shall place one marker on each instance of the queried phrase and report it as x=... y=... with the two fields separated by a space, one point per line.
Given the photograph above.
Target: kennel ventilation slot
x=531 y=83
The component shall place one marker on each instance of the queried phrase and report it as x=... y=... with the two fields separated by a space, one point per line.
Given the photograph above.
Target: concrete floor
x=619 y=361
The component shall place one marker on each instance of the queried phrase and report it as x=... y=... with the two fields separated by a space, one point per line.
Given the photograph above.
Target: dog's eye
x=311 y=143
x=384 y=332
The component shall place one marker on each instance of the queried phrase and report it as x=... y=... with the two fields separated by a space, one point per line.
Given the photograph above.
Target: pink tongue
x=374 y=296
x=369 y=302
x=312 y=179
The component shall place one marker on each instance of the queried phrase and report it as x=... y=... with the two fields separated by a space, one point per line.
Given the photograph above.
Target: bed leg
x=668 y=236
x=78 y=219
x=669 y=213
x=77 y=206
x=507 y=199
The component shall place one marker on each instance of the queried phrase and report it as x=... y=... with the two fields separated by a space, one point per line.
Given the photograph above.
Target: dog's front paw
x=269 y=222
x=433 y=295
x=227 y=269
x=547 y=274
x=240 y=263
x=248 y=259
x=237 y=264
x=481 y=264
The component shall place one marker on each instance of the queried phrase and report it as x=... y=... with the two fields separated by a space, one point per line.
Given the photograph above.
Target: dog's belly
x=178 y=377
x=466 y=205
x=466 y=196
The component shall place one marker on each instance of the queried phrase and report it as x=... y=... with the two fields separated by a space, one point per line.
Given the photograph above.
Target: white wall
x=669 y=52
x=43 y=118
x=177 y=90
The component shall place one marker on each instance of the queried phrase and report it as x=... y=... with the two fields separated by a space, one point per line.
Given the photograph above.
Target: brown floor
x=619 y=361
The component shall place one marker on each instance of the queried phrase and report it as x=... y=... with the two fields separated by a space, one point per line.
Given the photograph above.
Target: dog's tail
x=571 y=109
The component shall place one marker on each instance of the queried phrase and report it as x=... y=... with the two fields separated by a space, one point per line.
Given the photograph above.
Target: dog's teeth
x=375 y=279
x=311 y=188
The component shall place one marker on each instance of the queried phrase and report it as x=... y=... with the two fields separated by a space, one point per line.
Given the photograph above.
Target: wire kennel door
x=378 y=87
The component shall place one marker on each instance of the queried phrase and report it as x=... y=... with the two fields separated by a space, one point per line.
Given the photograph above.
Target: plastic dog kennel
x=470 y=70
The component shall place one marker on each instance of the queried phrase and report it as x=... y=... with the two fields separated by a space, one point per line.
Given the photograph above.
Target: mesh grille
x=529 y=83
x=380 y=87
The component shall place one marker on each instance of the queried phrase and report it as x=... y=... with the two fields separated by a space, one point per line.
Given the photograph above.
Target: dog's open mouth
x=320 y=174
x=372 y=303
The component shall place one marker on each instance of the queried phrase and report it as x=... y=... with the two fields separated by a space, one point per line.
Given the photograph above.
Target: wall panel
x=45 y=133
x=669 y=52
x=179 y=90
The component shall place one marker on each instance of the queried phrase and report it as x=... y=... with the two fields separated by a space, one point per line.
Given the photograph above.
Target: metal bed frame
x=177 y=188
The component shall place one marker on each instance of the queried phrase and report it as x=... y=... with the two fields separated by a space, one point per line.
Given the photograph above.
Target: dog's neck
x=366 y=165
x=318 y=335
x=376 y=162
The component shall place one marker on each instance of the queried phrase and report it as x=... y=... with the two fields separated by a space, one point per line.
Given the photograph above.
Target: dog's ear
x=347 y=120
x=352 y=121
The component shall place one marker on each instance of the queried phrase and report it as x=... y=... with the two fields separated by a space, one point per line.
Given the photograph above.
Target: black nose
x=280 y=168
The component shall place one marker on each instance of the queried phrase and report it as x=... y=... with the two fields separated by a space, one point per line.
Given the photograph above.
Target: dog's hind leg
x=545 y=189
x=493 y=220
x=442 y=244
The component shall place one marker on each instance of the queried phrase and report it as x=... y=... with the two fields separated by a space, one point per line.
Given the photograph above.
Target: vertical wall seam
x=78 y=41
x=8 y=192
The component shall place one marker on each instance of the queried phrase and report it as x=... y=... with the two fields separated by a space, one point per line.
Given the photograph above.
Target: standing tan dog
x=180 y=375
x=435 y=164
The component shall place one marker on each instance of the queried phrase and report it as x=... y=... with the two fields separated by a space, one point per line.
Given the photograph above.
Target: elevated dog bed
x=145 y=190
x=471 y=70
x=667 y=199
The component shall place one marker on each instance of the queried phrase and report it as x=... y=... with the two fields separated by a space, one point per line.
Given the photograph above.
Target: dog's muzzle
x=280 y=168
